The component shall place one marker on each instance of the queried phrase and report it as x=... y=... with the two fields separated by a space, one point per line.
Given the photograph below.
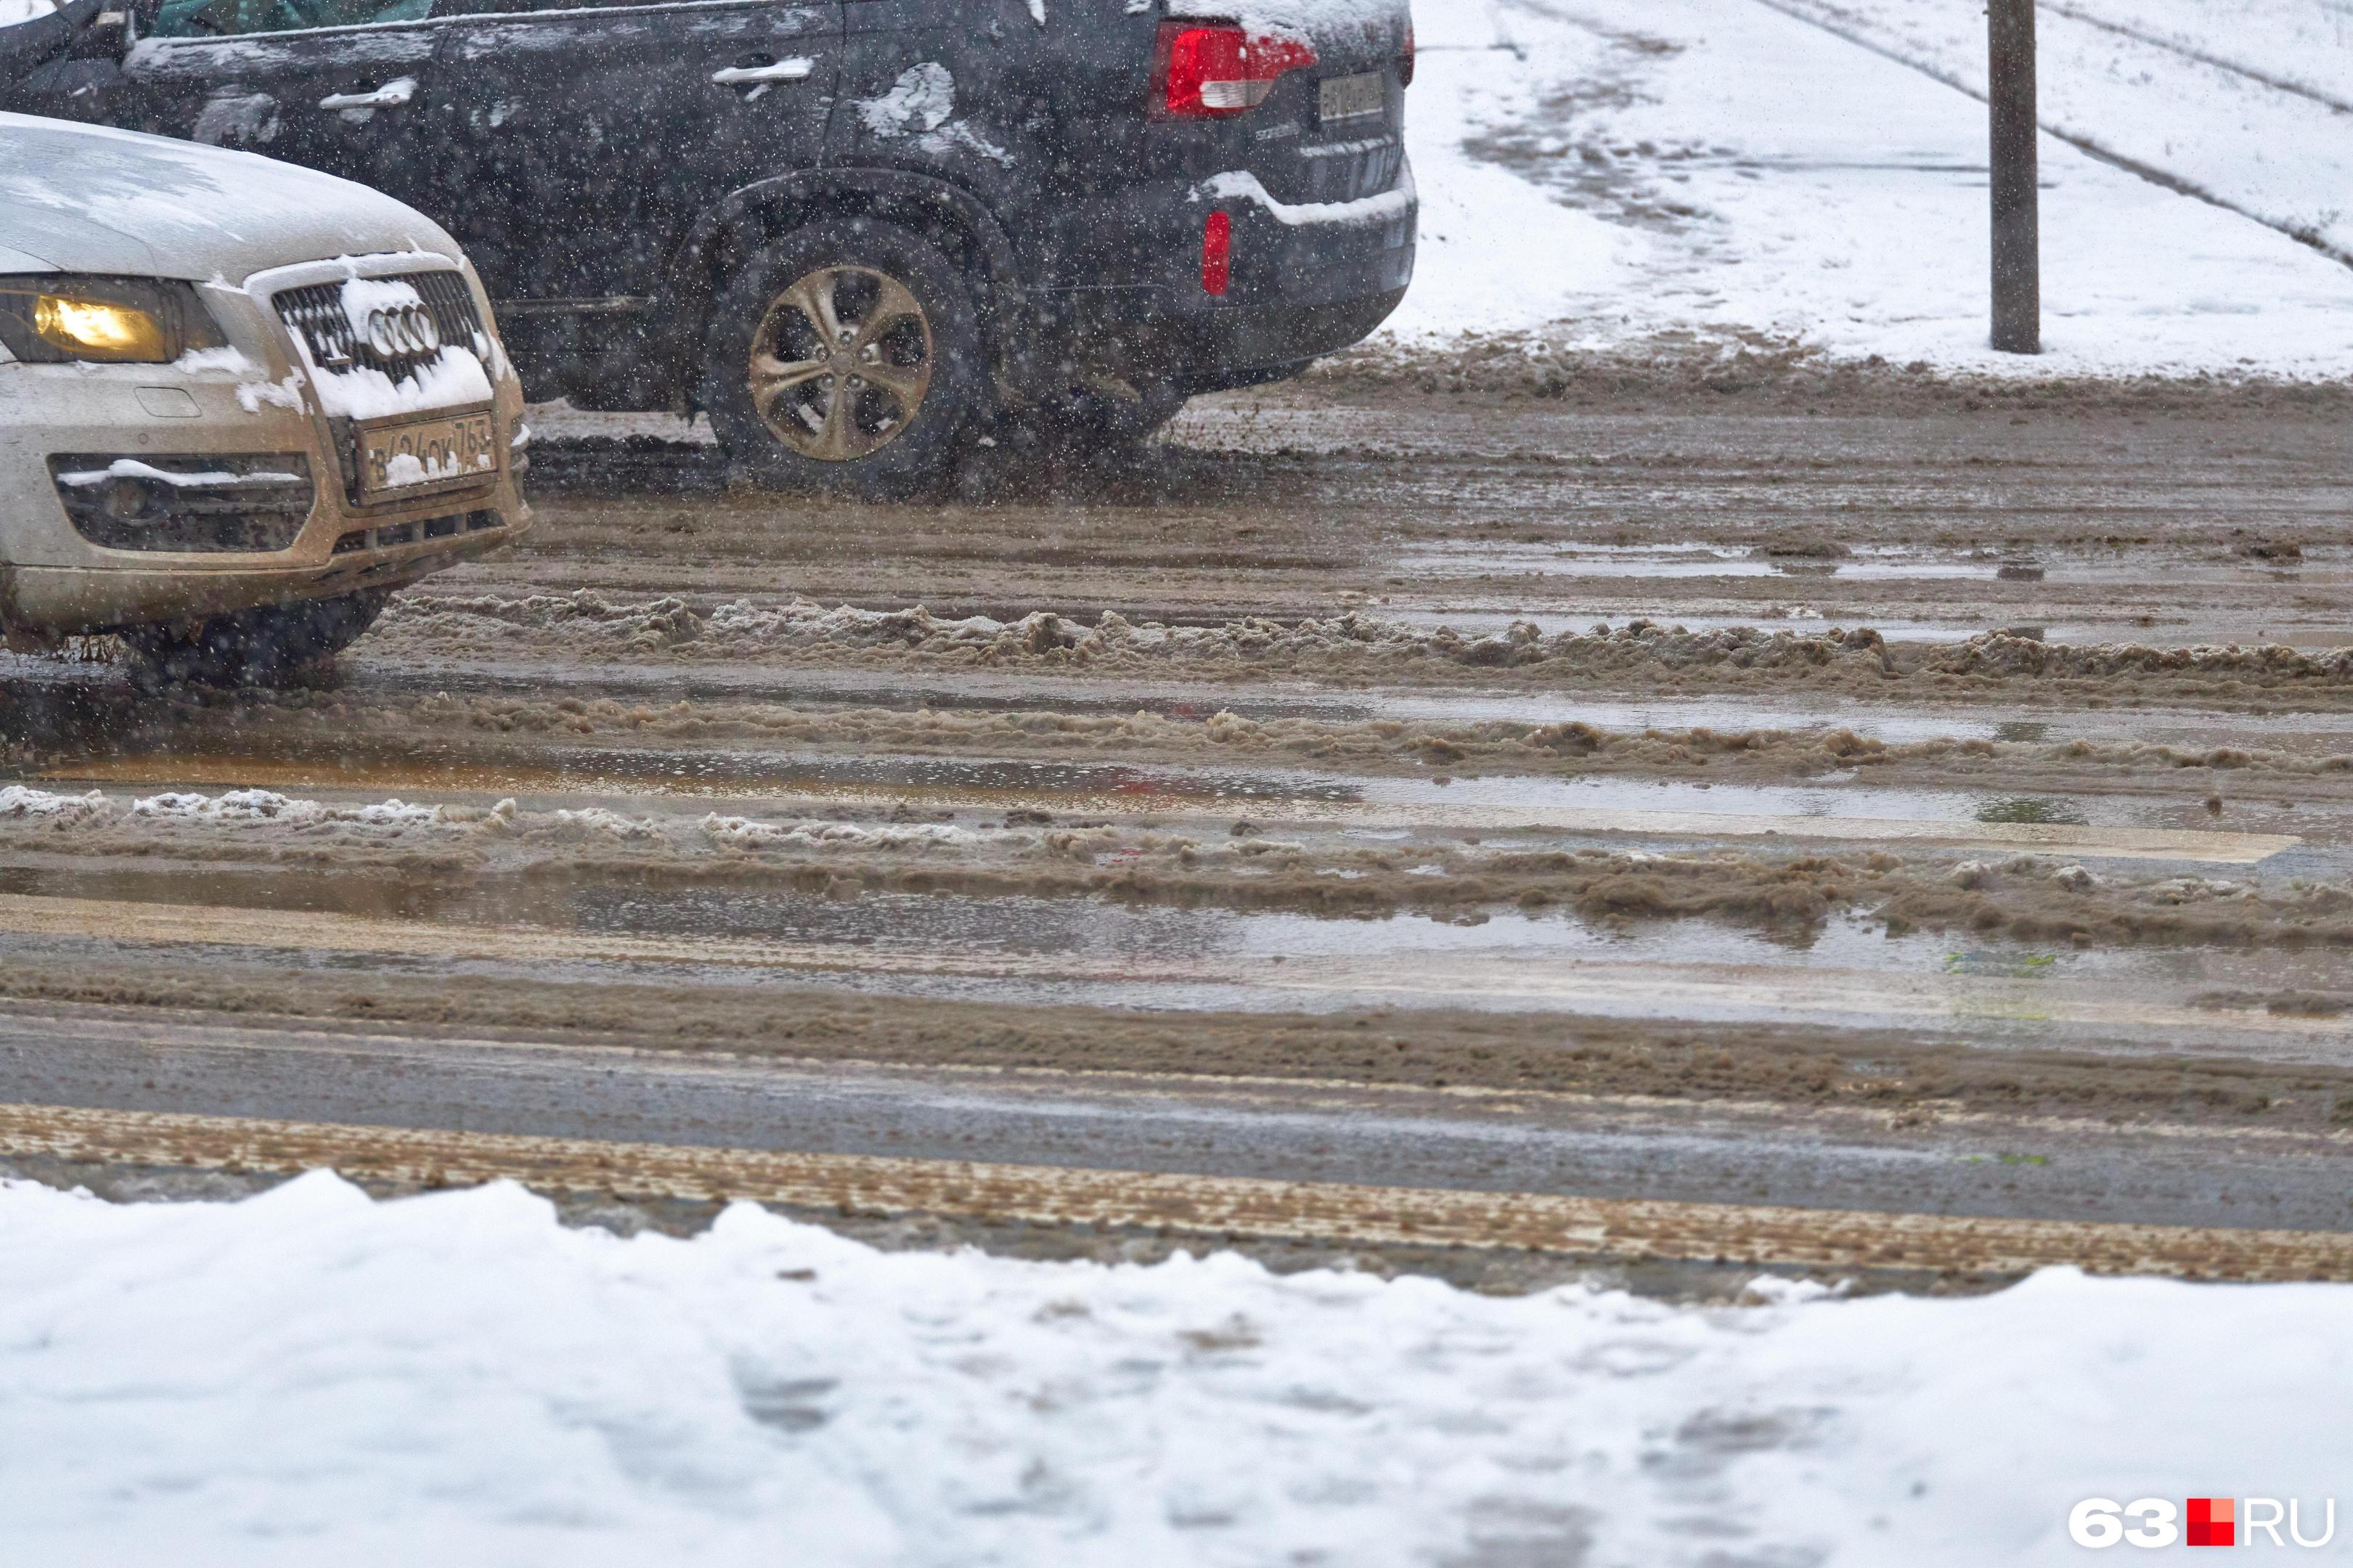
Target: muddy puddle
x=1063 y=952
x=2316 y=566
x=1822 y=809
x=2213 y=629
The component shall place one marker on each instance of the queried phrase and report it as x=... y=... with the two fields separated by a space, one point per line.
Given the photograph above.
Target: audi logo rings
x=403 y=332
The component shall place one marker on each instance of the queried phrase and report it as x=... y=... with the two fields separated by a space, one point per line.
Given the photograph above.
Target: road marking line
x=1214 y=1206
x=1634 y=987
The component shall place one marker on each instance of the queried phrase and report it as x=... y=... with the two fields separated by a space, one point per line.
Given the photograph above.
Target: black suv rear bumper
x=1306 y=281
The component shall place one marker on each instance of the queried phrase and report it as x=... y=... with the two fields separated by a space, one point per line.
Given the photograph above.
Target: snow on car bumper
x=212 y=415
x=1306 y=280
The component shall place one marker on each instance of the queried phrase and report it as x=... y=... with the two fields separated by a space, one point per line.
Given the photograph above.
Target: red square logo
x=2210 y=1523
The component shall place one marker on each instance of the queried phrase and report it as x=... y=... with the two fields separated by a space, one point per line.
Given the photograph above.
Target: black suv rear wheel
x=847 y=357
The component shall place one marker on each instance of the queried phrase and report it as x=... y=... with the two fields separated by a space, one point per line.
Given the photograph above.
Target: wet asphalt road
x=1065 y=896
x=1355 y=1135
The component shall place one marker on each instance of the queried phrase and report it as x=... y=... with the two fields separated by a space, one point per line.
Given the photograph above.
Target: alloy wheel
x=840 y=363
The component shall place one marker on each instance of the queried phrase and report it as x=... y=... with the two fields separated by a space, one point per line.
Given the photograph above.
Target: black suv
x=858 y=233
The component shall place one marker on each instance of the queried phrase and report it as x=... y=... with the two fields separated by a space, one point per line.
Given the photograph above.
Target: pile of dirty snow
x=26 y=806
x=309 y=1376
x=587 y=623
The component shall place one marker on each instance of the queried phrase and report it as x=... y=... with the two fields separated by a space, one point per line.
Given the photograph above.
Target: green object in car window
x=208 y=18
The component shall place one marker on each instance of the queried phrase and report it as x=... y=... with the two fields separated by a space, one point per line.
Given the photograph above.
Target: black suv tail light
x=1404 y=60
x=1210 y=71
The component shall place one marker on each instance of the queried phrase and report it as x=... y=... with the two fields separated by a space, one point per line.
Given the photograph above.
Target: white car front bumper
x=210 y=414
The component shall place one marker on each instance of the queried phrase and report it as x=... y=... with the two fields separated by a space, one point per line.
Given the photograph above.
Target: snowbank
x=308 y=1376
x=1639 y=175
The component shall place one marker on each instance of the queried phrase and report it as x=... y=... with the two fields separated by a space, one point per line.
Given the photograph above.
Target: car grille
x=316 y=311
x=248 y=502
x=393 y=534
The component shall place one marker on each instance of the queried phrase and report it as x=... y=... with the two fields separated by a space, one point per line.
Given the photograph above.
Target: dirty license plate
x=426 y=454
x=1354 y=97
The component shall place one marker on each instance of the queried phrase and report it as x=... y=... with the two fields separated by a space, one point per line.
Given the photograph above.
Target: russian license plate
x=1354 y=97
x=427 y=454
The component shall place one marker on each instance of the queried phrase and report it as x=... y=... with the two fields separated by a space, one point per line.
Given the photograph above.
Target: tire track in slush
x=1218 y=1207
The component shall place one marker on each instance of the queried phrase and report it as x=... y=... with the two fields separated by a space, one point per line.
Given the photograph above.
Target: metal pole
x=2017 y=222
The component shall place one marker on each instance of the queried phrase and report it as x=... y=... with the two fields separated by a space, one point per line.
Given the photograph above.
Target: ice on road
x=311 y=1376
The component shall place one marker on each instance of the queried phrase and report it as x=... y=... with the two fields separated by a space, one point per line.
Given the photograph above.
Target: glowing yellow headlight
x=99 y=329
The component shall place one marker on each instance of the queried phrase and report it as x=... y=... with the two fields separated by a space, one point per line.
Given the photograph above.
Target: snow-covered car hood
x=84 y=198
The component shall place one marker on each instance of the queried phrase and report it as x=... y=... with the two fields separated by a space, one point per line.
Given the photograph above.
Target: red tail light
x=1209 y=72
x=1404 y=60
x=1216 y=253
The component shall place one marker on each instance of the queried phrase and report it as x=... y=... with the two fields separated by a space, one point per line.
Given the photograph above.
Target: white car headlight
x=117 y=321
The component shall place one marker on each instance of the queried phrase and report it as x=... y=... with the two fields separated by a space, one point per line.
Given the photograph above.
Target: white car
x=240 y=402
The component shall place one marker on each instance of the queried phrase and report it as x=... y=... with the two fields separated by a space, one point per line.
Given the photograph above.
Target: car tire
x=252 y=648
x=880 y=405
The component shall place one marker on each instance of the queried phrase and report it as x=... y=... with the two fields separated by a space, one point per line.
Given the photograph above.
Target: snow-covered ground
x=310 y=1377
x=2249 y=101
x=1614 y=175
